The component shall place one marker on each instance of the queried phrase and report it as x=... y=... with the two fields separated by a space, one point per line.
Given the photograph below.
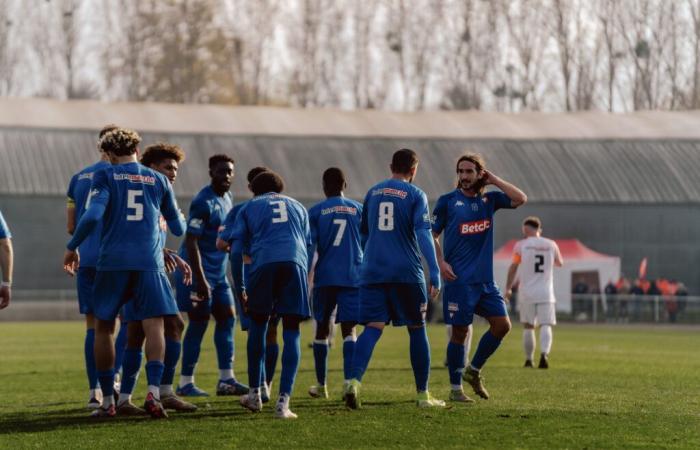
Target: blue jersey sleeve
x=71 y=189
x=440 y=215
x=500 y=200
x=199 y=217
x=421 y=214
x=170 y=211
x=4 y=229
x=99 y=198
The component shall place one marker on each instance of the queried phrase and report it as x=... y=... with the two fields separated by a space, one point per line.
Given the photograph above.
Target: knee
x=174 y=327
x=501 y=329
x=323 y=330
x=459 y=334
x=291 y=323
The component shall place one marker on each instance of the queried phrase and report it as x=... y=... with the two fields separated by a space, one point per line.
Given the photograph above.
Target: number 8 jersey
x=535 y=256
x=392 y=211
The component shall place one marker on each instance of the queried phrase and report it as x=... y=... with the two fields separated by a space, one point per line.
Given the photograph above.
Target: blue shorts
x=220 y=295
x=86 y=285
x=278 y=288
x=400 y=303
x=150 y=293
x=326 y=298
x=461 y=301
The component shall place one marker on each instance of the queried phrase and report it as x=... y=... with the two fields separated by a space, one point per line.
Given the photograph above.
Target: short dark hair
x=333 y=181
x=156 y=153
x=216 y=159
x=265 y=182
x=254 y=172
x=403 y=161
x=120 y=142
x=533 y=221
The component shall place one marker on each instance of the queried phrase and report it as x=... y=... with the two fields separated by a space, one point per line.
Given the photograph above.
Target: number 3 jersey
x=135 y=197
x=335 y=229
x=535 y=256
x=468 y=226
x=392 y=211
x=277 y=228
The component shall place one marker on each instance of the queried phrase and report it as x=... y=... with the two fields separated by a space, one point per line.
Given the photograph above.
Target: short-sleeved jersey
x=335 y=230
x=392 y=211
x=468 y=226
x=535 y=256
x=4 y=229
x=135 y=197
x=79 y=197
x=207 y=213
x=277 y=229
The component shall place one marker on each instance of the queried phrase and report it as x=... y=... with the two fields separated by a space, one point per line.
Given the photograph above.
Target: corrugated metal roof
x=256 y=120
x=36 y=161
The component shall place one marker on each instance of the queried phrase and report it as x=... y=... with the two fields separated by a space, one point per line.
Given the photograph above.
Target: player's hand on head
x=71 y=262
x=5 y=296
x=447 y=272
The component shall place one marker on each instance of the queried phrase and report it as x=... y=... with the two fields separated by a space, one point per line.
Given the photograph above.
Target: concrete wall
x=668 y=235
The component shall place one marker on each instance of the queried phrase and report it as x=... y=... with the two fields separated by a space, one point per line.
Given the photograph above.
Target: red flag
x=643 y=269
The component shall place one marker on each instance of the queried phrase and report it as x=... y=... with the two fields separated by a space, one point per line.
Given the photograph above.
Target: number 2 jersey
x=468 y=226
x=392 y=211
x=335 y=229
x=277 y=229
x=535 y=256
x=135 y=197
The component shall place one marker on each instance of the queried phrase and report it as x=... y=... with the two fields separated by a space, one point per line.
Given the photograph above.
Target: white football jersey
x=536 y=256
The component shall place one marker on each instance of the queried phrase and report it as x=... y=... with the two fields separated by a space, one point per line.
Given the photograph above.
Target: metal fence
x=599 y=308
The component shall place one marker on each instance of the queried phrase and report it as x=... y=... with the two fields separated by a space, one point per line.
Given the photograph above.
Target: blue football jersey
x=4 y=229
x=79 y=194
x=207 y=213
x=277 y=229
x=392 y=211
x=135 y=197
x=335 y=230
x=468 y=226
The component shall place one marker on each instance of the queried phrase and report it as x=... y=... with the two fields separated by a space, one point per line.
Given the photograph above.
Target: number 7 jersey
x=392 y=211
x=335 y=229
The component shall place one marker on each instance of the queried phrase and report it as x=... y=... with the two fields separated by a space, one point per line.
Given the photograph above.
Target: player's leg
x=492 y=307
x=527 y=318
x=272 y=351
x=546 y=316
x=348 y=313
x=133 y=356
x=154 y=330
x=174 y=327
x=223 y=312
x=119 y=347
x=468 y=344
x=324 y=301
x=198 y=320
x=85 y=281
x=458 y=310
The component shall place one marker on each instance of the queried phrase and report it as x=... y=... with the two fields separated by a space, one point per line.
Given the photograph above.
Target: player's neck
x=469 y=192
x=125 y=159
x=401 y=177
x=218 y=191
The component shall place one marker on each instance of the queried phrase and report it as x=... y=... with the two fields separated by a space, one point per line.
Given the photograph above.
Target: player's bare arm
x=202 y=287
x=222 y=245
x=445 y=268
x=558 y=259
x=510 y=280
x=71 y=262
x=6 y=259
x=70 y=217
x=516 y=196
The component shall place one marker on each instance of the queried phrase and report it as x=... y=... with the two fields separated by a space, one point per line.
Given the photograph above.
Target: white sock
x=321 y=341
x=93 y=393
x=107 y=401
x=529 y=343
x=350 y=337
x=467 y=345
x=155 y=390
x=185 y=380
x=456 y=387
x=474 y=369
x=226 y=374
x=126 y=398
x=166 y=389
x=546 y=339
x=283 y=401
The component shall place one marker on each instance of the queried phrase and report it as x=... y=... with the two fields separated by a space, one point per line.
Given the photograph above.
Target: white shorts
x=538 y=313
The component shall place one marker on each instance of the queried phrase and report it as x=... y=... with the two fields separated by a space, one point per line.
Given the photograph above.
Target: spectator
x=580 y=287
x=610 y=299
x=681 y=294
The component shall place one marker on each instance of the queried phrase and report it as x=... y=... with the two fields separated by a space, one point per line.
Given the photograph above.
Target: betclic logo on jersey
x=475 y=227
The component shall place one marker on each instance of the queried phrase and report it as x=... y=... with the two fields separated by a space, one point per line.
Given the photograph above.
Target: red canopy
x=570 y=249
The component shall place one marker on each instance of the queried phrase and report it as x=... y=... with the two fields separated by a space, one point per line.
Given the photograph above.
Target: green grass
x=608 y=387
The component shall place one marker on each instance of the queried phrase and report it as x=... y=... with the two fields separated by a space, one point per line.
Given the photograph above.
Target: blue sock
x=191 y=345
x=291 y=355
x=90 y=358
x=106 y=378
x=130 y=369
x=271 y=354
x=154 y=372
x=363 y=351
x=420 y=357
x=256 y=352
x=321 y=361
x=119 y=347
x=348 y=352
x=455 y=362
x=172 y=355
x=487 y=345
x=223 y=341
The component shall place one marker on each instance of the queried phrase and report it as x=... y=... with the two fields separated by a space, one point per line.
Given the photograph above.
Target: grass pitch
x=607 y=387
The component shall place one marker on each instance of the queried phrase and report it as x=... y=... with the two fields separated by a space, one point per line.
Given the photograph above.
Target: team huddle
x=363 y=262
